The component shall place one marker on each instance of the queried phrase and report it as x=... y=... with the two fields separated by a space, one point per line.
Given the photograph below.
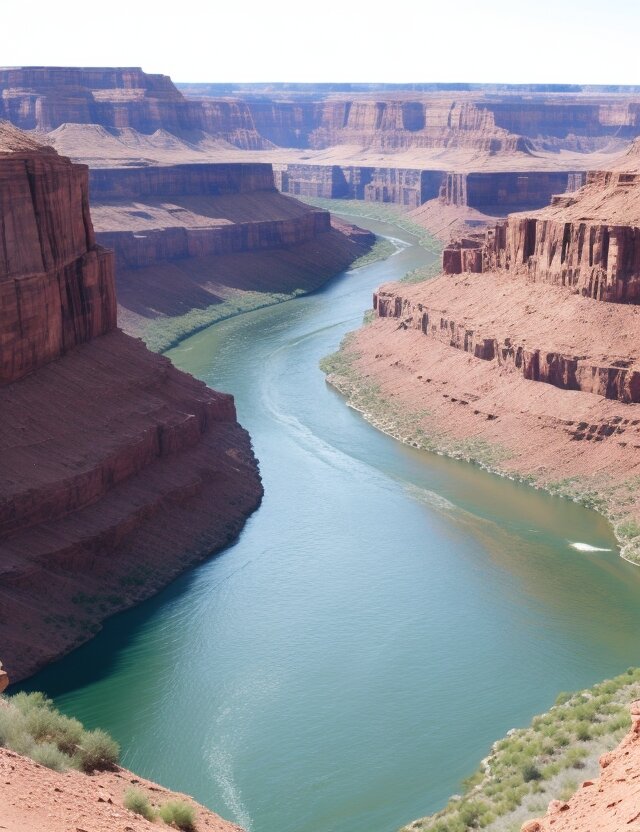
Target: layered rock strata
x=523 y=355
x=588 y=242
x=190 y=236
x=118 y=471
x=56 y=288
x=412 y=187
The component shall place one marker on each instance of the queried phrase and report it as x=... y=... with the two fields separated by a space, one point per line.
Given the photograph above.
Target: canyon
x=474 y=149
x=521 y=356
x=211 y=238
x=118 y=471
x=525 y=347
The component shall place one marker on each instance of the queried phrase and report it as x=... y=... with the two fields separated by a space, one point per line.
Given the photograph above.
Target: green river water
x=383 y=618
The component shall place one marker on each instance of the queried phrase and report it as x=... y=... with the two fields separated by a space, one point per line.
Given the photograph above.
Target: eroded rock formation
x=190 y=236
x=523 y=355
x=588 y=242
x=118 y=471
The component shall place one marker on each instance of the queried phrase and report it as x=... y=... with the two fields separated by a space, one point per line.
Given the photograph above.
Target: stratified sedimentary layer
x=191 y=236
x=610 y=803
x=516 y=356
x=537 y=331
x=56 y=289
x=588 y=242
x=412 y=187
x=118 y=471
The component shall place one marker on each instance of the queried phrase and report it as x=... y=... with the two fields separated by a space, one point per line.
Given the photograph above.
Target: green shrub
x=97 y=751
x=583 y=732
x=26 y=702
x=49 y=755
x=22 y=743
x=46 y=725
x=179 y=814
x=531 y=772
x=136 y=801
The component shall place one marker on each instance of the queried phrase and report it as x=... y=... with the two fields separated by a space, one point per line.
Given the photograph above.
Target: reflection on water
x=384 y=617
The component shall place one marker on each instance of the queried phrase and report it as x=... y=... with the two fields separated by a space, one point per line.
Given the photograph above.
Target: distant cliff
x=118 y=471
x=199 y=242
x=464 y=116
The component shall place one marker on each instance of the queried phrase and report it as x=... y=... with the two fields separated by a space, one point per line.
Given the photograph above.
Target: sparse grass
x=381 y=249
x=179 y=814
x=409 y=427
x=163 y=333
x=541 y=760
x=423 y=273
x=32 y=726
x=135 y=800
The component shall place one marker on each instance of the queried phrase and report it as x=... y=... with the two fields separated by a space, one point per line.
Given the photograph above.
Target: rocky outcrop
x=190 y=236
x=445 y=311
x=483 y=119
x=155 y=214
x=607 y=804
x=45 y=98
x=588 y=242
x=118 y=471
x=489 y=192
x=4 y=678
x=134 y=183
x=74 y=800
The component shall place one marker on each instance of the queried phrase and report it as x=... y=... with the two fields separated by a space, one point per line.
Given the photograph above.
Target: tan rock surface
x=35 y=799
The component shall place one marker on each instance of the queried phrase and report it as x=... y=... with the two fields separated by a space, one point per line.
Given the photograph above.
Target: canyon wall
x=573 y=243
x=464 y=116
x=191 y=236
x=56 y=289
x=489 y=192
x=118 y=471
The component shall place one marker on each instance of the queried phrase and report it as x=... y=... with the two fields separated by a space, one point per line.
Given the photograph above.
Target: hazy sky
x=570 y=41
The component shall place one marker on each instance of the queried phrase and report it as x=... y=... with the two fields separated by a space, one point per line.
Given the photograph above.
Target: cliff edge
x=119 y=471
x=522 y=355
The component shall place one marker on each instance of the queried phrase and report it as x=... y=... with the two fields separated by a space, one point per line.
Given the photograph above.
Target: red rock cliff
x=56 y=288
x=118 y=471
x=588 y=242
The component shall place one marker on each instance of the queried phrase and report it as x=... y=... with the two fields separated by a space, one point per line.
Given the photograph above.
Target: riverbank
x=385 y=382
x=153 y=299
x=532 y=766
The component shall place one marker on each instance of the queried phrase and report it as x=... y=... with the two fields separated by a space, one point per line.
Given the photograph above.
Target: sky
x=510 y=41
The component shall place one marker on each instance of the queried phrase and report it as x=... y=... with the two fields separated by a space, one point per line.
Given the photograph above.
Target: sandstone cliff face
x=588 y=242
x=485 y=121
x=462 y=314
x=490 y=192
x=190 y=236
x=56 y=289
x=118 y=471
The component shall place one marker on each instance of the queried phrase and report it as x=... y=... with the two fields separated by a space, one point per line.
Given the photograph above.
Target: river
x=384 y=617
